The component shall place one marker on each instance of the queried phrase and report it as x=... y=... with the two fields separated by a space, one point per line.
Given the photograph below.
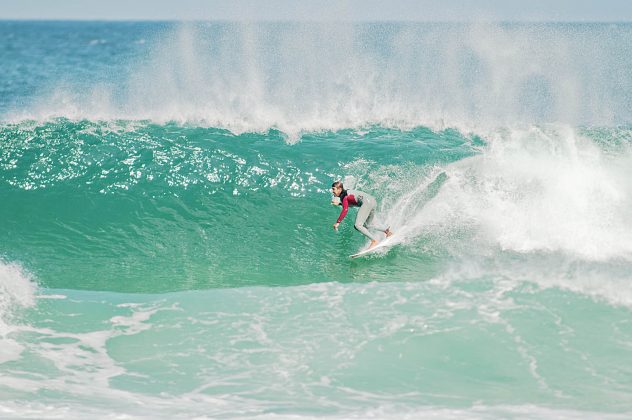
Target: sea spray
x=17 y=292
x=545 y=189
x=309 y=77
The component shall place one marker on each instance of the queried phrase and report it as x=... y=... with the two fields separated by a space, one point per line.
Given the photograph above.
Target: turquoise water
x=166 y=244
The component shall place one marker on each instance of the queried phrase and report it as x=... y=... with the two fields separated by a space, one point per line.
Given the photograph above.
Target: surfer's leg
x=369 y=223
x=364 y=213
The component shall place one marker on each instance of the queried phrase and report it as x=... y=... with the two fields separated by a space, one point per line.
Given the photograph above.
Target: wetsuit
x=367 y=204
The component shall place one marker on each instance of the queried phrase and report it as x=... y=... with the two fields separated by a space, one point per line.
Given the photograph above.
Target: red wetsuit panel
x=349 y=200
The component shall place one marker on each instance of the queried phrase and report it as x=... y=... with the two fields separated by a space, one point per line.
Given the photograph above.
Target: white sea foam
x=536 y=189
x=17 y=291
x=79 y=362
x=329 y=350
x=17 y=287
x=195 y=409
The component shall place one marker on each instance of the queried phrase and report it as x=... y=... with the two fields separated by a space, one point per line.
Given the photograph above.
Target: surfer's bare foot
x=388 y=232
x=373 y=243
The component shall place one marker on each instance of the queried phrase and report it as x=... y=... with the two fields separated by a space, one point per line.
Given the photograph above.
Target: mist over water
x=310 y=77
x=166 y=247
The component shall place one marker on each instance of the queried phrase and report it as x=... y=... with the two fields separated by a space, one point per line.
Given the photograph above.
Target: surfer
x=367 y=205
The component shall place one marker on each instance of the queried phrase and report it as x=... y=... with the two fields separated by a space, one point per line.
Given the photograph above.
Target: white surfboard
x=382 y=245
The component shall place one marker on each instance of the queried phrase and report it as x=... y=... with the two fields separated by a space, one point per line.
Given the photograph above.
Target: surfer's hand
x=336 y=225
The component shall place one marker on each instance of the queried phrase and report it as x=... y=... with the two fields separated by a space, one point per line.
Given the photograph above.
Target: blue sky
x=346 y=10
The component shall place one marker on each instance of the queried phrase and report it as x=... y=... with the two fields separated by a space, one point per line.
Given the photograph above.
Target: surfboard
x=382 y=245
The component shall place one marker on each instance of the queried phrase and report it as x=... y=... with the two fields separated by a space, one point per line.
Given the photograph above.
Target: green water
x=165 y=208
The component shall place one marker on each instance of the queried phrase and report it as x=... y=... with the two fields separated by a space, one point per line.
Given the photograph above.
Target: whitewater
x=166 y=248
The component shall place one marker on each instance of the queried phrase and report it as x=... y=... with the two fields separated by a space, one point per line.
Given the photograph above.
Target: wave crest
x=310 y=77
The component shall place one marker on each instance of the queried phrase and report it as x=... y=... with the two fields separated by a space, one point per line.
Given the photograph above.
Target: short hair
x=337 y=184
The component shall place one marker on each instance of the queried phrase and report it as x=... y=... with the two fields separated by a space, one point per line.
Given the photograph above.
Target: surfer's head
x=337 y=188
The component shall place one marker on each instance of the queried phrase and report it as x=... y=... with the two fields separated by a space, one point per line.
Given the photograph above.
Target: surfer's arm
x=345 y=209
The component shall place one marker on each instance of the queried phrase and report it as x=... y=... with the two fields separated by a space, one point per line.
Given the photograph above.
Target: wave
x=152 y=208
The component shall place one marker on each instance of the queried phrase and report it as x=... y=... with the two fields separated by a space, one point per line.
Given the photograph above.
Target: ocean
x=166 y=240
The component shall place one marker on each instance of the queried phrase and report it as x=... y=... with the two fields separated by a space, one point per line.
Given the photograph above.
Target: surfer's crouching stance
x=367 y=205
